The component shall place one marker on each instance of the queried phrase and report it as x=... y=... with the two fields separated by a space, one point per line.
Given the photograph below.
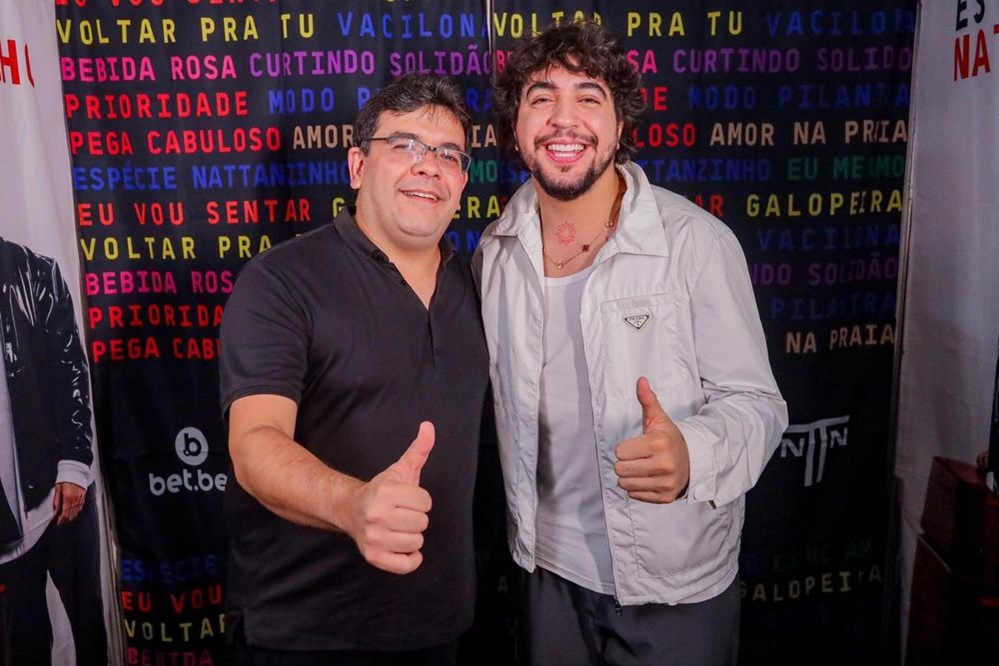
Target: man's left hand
x=68 y=501
x=654 y=467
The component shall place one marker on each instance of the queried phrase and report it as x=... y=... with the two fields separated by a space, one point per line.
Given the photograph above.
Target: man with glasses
x=353 y=376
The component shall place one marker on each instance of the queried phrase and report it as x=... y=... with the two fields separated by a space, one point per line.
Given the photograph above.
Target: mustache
x=576 y=137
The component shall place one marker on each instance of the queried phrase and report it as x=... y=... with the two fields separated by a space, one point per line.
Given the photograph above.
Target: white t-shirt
x=571 y=530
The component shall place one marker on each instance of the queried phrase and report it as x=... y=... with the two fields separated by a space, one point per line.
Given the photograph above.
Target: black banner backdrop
x=203 y=133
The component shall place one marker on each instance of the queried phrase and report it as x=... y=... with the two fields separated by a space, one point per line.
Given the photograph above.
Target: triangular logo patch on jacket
x=638 y=321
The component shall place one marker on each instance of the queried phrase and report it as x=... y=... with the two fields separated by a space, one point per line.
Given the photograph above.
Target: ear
x=355 y=165
x=620 y=130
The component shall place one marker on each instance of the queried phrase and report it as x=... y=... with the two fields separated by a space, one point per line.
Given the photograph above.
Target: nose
x=563 y=113
x=427 y=165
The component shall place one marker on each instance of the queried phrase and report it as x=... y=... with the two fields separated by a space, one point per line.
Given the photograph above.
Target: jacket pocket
x=640 y=339
x=678 y=538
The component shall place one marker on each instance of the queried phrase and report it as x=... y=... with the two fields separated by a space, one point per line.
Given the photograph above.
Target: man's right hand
x=68 y=501
x=388 y=514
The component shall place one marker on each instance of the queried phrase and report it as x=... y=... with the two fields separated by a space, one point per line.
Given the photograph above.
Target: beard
x=567 y=191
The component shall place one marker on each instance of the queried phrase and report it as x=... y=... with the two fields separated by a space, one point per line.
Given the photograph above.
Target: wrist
x=343 y=496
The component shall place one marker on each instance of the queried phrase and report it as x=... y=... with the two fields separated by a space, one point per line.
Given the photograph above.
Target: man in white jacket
x=635 y=404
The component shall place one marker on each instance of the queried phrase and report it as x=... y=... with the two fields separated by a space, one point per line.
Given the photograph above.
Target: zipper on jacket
x=617 y=606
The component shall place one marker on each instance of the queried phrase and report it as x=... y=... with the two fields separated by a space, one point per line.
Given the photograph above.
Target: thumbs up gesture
x=655 y=466
x=389 y=513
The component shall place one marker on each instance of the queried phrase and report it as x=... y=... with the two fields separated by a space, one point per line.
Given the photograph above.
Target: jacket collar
x=640 y=229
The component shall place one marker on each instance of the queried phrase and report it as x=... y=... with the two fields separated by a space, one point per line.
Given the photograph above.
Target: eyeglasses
x=450 y=159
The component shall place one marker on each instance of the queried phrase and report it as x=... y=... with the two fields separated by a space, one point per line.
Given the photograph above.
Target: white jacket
x=670 y=299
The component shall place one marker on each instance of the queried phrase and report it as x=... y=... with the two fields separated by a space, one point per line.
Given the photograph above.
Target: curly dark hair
x=579 y=47
x=411 y=92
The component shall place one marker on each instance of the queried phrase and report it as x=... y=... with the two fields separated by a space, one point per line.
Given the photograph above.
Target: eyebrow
x=582 y=85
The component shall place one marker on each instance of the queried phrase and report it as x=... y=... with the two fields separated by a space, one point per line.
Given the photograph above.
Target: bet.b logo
x=192 y=446
x=192 y=449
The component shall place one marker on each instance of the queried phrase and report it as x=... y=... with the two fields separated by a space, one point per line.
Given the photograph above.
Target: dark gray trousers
x=563 y=623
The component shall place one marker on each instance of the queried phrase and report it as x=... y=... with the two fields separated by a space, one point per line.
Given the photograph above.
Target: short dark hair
x=578 y=47
x=411 y=92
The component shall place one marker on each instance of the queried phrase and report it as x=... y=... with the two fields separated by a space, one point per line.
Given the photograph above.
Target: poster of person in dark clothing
x=48 y=519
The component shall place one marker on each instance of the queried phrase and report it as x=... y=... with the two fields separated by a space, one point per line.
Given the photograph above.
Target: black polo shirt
x=327 y=320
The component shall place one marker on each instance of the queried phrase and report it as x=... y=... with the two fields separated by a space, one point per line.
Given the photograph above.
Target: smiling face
x=567 y=131
x=402 y=205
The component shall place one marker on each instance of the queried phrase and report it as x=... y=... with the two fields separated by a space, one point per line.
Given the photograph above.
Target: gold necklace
x=609 y=224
